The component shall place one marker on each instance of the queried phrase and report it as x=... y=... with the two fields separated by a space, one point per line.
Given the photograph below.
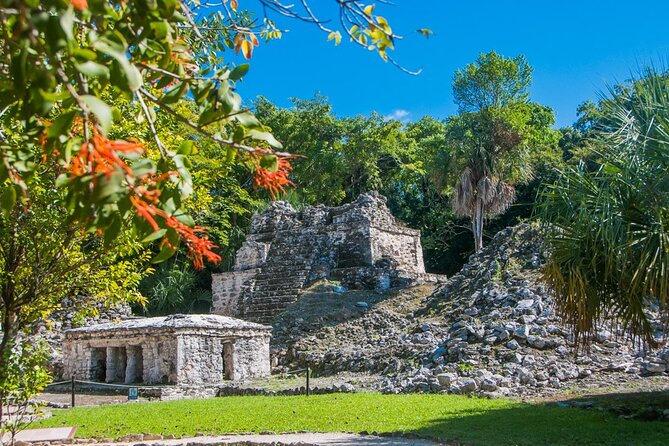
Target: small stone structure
x=360 y=243
x=177 y=349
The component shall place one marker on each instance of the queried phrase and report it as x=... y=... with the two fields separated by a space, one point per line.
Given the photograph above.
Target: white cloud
x=398 y=115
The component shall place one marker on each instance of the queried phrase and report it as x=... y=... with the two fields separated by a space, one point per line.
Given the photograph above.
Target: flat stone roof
x=173 y=322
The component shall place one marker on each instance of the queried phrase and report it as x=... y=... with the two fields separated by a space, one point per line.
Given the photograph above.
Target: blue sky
x=575 y=47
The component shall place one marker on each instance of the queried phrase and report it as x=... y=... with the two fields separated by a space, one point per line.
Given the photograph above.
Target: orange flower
x=101 y=156
x=199 y=247
x=275 y=181
x=79 y=4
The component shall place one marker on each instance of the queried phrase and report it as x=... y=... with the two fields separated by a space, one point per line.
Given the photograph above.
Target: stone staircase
x=281 y=281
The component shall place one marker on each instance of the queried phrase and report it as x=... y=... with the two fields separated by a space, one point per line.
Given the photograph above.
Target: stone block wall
x=287 y=250
x=190 y=350
x=150 y=360
x=208 y=359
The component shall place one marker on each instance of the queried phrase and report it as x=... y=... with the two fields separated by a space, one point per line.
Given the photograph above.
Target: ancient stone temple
x=360 y=243
x=177 y=349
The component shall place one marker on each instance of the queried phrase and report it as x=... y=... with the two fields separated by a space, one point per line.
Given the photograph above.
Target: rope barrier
x=58 y=383
x=74 y=381
x=100 y=384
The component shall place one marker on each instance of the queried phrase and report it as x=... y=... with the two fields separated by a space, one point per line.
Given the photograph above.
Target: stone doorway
x=228 y=358
x=99 y=364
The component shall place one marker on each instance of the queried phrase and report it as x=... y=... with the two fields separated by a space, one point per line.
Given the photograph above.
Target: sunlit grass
x=469 y=420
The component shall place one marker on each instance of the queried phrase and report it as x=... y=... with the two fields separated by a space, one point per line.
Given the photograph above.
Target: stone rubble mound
x=504 y=336
x=491 y=329
x=352 y=331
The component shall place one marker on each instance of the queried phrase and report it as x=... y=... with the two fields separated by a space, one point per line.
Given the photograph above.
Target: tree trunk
x=478 y=225
x=9 y=333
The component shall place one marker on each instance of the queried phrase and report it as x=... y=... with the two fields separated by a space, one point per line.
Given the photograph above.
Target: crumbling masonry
x=177 y=349
x=360 y=243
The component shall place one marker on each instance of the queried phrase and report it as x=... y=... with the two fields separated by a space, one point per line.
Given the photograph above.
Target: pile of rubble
x=75 y=312
x=492 y=328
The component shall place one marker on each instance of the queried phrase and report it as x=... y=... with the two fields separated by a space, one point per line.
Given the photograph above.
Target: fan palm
x=609 y=228
x=487 y=156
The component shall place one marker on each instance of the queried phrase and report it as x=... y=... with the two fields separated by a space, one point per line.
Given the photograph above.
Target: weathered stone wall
x=210 y=359
x=287 y=250
x=158 y=352
x=246 y=353
x=183 y=350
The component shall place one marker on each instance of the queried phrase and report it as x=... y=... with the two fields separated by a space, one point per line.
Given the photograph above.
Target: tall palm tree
x=486 y=155
x=490 y=143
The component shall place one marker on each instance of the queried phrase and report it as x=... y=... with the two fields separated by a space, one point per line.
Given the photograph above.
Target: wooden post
x=72 y=391
x=308 y=376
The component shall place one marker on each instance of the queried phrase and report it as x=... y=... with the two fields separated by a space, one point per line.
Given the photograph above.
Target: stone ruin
x=361 y=244
x=178 y=349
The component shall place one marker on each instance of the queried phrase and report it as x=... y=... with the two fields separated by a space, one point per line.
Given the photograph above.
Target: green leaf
x=166 y=251
x=336 y=36
x=248 y=120
x=611 y=169
x=154 y=236
x=185 y=219
x=425 y=32
x=92 y=69
x=8 y=199
x=174 y=93
x=101 y=110
x=269 y=163
x=112 y=49
x=239 y=134
x=186 y=147
x=84 y=54
x=265 y=136
x=112 y=231
x=142 y=167
x=67 y=22
x=60 y=125
x=239 y=71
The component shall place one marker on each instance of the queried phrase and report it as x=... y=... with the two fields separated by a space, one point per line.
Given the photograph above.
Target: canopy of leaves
x=343 y=157
x=492 y=81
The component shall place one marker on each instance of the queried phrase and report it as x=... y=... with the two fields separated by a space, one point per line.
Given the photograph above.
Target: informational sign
x=133 y=394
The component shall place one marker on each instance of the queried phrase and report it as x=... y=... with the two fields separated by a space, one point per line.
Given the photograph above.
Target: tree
x=64 y=65
x=493 y=81
x=608 y=228
x=342 y=157
x=26 y=376
x=62 y=62
x=311 y=130
x=45 y=258
x=495 y=140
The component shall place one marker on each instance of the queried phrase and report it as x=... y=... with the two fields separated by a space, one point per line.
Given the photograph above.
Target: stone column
x=112 y=362
x=134 y=359
x=131 y=364
x=121 y=361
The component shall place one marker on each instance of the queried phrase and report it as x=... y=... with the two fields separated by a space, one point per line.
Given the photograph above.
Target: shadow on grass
x=544 y=424
x=647 y=406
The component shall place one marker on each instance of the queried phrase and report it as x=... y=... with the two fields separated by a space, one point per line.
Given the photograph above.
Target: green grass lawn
x=471 y=421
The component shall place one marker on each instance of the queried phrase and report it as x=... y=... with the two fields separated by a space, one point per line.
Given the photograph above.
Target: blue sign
x=133 y=394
